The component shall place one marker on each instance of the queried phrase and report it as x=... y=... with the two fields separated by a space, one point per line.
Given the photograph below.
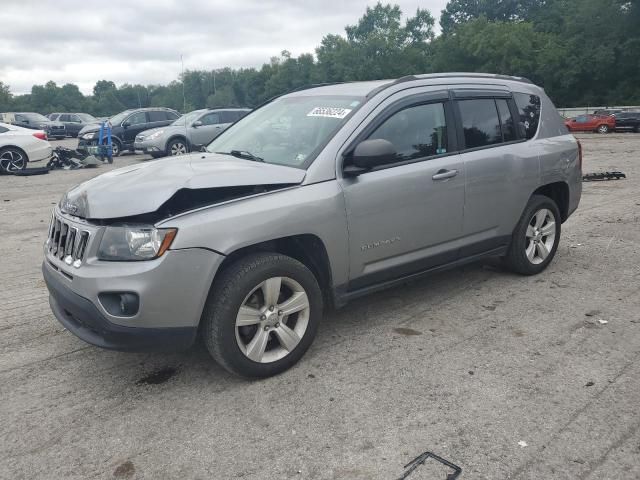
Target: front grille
x=67 y=242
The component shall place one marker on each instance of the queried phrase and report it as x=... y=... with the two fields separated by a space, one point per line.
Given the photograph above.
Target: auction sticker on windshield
x=329 y=112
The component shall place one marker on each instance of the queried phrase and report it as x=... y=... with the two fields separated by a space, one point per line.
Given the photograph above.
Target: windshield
x=119 y=118
x=288 y=131
x=85 y=117
x=188 y=118
x=35 y=117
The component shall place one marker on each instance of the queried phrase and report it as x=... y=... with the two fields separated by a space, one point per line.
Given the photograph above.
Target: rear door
x=406 y=217
x=502 y=169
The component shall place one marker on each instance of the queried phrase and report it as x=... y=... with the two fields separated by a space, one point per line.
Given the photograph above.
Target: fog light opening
x=120 y=304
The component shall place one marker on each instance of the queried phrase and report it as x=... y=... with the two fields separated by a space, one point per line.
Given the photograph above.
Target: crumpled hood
x=90 y=127
x=143 y=188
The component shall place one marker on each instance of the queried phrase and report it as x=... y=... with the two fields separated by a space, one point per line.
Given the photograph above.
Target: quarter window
x=529 y=110
x=416 y=132
x=480 y=122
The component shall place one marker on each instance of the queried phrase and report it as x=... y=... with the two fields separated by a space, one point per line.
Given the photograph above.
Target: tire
x=602 y=129
x=116 y=148
x=248 y=283
x=12 y=159
x=176 y=147
x=529 y=245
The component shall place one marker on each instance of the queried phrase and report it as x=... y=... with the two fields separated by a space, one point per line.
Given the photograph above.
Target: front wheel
x=12 y=160
x=262 y=315
x=177 y=147
x=535 y=239
x=603 y=129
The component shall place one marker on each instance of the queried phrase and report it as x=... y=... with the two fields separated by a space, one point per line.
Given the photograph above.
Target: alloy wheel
x=178 y=148
x=11 y=161
x=272 y=320
x=603 y=129
x=541 y=236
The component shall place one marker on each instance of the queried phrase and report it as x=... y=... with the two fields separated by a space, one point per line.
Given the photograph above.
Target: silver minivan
x=317 y=197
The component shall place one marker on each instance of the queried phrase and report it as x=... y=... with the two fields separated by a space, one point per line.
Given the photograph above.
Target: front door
x=210 y=129
x=406 y=217
x=136 y=123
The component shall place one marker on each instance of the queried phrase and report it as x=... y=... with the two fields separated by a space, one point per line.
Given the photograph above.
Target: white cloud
x=75 y=41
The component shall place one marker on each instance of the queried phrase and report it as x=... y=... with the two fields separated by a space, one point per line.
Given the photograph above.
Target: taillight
x=579 y=154
x=40 y=135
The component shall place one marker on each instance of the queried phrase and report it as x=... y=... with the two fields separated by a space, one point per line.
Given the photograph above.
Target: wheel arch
x=559 y=193
x=177 y=136
x=308 y=249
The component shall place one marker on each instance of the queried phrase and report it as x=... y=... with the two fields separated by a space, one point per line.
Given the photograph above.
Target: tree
x=458 y=12
x=5 y=97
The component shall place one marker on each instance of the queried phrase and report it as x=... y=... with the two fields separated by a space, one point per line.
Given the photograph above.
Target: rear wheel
x=603 y=129
x=262 y=315
x=535 y=239
x=12 y=159
x=176 y=147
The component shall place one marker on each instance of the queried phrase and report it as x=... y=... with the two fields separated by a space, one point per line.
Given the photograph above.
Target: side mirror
x=25 y=121
x=196 y=124
x=126 y=124
x=372 y=153
x=203 y=149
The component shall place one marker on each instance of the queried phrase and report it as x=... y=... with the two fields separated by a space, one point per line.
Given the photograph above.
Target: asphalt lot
x=468 y=364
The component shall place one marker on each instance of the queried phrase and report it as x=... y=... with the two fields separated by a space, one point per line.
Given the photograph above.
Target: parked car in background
x=316 y=198
x=35 y=121
x=607 y=112
x=591 y=123
x=125 y=126
x=19 y=145
x=628 y=121
x=74 y=122
x=188 y=133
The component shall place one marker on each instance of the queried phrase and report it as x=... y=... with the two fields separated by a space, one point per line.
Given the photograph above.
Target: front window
x=288 y=131
x=85 y=117
x=188 y=118
x=35 y=117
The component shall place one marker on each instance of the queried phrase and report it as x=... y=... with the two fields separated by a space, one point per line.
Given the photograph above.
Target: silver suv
x=315 y=198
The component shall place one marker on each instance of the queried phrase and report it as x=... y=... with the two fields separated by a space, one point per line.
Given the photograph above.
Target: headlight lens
x=133 y=243
x=154 y=135
x=88 y=136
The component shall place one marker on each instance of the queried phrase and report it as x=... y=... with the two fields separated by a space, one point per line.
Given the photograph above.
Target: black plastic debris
x=599 y=176
x=422 y=458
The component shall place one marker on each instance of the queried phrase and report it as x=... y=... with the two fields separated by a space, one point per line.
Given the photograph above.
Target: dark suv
x=73 y=122
x=628 y=121
x=126 y=125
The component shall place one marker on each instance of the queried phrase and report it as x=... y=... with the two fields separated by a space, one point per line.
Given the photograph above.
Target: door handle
x=444 y=174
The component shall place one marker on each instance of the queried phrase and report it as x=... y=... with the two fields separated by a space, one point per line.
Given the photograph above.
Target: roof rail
x=474 y=75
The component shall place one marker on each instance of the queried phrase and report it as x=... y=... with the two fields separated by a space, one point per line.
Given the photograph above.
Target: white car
x=21 y=145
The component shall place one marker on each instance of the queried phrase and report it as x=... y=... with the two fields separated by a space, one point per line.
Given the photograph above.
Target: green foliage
x=582 y=52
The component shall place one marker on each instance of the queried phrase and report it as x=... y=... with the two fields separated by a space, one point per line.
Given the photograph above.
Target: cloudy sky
x=140 y=41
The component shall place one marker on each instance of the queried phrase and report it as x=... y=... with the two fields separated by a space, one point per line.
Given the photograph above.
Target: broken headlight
x=131 y=243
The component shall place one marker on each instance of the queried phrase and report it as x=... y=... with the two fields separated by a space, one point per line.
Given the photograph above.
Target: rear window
x=157 y=116
x=529 y=110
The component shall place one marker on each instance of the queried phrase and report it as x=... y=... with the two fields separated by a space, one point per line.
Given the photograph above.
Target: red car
x=591 y=123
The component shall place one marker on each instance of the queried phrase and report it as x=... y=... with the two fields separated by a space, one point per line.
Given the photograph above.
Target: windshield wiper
x=244 y=154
